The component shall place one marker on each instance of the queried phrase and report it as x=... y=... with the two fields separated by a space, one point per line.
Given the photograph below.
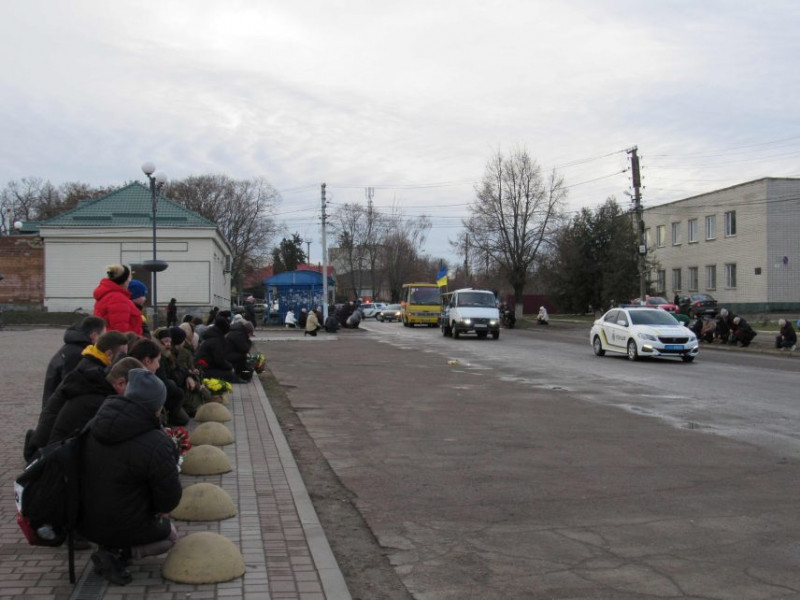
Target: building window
x=692 y=279
x=647 y=237
x=711 y=277
x=676 y=234
x=661 y=235
x=730 y=223
x=730 y=275
x=711 y=227
x=692 y=230
x=661 y=282
x=676 y=280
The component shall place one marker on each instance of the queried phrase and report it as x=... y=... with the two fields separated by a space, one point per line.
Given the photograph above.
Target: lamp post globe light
x=157 y=181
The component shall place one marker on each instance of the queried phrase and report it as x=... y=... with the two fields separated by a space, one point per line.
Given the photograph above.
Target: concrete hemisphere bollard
x=203 y=557
x=213 y=433
x=213 y=411
x=204 y=502
x=205 y=459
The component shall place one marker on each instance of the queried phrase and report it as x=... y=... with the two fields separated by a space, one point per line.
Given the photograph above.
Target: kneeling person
x=129 y=477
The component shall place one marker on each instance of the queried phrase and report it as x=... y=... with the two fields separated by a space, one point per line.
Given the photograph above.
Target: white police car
x=640 y=332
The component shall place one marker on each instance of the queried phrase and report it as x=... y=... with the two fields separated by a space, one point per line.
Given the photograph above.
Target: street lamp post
x=157 y=181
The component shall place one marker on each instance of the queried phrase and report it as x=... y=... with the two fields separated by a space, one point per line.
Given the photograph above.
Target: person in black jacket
x=238 y=347
x=787 y=337
x=89 y=374
x=211 y=354
x=152 y=356
x=78 y=410
x=129 y=479
x=250 y=310
x=742 y=332
x=76 y=338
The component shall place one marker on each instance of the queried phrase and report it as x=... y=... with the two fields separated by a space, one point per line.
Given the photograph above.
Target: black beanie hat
x=177 y=334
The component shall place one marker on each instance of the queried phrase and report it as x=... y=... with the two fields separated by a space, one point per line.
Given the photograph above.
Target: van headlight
x=466 y=321
x=647 y=336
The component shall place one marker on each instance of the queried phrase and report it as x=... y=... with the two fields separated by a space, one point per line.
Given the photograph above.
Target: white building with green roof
x=118 y=229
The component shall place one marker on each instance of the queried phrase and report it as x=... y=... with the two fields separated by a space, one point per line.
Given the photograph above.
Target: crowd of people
x=127 y=385
x=728 y=328
x=346 y=315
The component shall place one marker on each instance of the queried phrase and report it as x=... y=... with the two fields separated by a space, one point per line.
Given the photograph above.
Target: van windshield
x=475 y=299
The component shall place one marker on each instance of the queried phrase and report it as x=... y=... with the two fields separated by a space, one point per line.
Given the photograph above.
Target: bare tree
x=514 y=214
x=400 y=252
x=242 y=209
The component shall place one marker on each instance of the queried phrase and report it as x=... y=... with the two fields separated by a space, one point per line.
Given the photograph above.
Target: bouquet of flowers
x=181 y=438
x=256 y=362
x=217 y=387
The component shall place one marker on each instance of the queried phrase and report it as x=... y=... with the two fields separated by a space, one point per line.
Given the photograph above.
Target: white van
x=470 y=311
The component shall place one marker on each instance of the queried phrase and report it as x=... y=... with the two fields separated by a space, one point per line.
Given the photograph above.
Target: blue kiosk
x=295 y=290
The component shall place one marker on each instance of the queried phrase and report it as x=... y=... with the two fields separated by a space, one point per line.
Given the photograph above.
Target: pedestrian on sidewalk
x=787 y=338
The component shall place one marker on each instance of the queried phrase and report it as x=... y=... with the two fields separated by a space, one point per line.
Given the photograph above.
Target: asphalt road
x=529 y=468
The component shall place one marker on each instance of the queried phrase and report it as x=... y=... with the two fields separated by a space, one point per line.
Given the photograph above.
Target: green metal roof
x=130 y=206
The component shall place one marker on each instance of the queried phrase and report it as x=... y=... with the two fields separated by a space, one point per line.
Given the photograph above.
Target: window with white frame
x=730 y=275
x=711 y=227
x=676 y=234
x=661 y=281
x=711 y=277
x=661 y=235
x=730 y=223
x=647 y=238
x=692 y=230
x=676 y=280
x=692 y=279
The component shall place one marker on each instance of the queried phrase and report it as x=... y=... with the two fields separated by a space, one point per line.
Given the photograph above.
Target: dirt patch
x=363 y=561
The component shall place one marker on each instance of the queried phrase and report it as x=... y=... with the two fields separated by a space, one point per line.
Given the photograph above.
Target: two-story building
x=740 y=244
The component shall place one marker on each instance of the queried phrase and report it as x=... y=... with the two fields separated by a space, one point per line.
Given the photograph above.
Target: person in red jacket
x=112 y=301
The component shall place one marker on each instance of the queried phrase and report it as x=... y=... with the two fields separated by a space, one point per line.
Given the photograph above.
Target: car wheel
x=456 y=333
x=445 y=333
x=496 y=335
x=633 y=351
x=687 y=359
x=381 y=319
x=597 y=346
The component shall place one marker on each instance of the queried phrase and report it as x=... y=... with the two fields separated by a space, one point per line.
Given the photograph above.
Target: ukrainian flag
x=441 y=278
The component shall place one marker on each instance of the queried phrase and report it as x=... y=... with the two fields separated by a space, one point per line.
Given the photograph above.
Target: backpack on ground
x=47 y=495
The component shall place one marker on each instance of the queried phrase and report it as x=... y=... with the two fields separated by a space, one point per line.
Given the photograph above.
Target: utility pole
x=324 y=261
x=641 y=248
x=308 y=252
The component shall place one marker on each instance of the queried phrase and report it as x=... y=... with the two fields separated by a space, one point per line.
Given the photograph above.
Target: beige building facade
x=740 y=244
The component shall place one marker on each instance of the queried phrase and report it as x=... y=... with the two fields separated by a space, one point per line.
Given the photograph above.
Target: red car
x=656 y=302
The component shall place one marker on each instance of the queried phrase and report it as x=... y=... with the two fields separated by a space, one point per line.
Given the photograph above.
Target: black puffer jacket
x=79 y=409
x=64 y=360
x=129 y=476
x=90 y=374
x=213 y=351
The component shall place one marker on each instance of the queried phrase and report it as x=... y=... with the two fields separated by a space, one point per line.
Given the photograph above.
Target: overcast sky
x=411 y=98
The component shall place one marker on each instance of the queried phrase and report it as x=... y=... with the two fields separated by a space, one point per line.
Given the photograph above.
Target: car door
x=615 y=328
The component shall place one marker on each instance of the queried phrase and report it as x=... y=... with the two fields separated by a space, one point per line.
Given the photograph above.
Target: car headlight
x=492 y=323
x=648 y=336
x=466 y=321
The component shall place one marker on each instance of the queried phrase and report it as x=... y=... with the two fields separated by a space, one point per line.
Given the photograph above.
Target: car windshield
x=702 y=298
x=476 y=299
x=652 y=317
x=392 y=307
x=656 y=300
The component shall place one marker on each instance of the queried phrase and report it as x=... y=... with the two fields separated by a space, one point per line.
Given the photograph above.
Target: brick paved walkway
x=285 y=550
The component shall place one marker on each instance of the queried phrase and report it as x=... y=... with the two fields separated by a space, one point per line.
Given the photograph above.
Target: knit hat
x=222 y=324
x=118 y=273
x=177 y=334
x=137 y=289
x=146 y=389
x=163 y=332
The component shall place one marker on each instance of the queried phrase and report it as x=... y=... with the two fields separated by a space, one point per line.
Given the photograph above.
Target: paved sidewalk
x=286 y=553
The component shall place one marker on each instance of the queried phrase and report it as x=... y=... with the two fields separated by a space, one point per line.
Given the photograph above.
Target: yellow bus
x=420 y=303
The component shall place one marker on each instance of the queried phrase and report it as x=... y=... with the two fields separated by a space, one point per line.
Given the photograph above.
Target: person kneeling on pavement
x=742 y=332
x=129 y=479
x=787 y=338
x=312 y=324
